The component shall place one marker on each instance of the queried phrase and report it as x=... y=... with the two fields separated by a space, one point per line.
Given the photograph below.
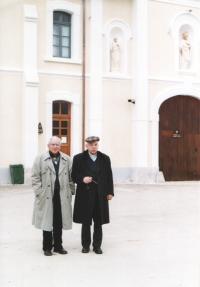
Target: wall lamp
x=189 y=10
x=40 y=129
x=131 y=101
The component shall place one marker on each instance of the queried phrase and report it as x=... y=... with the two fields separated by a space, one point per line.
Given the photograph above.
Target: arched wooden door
x=179 y=139
x=61 y=123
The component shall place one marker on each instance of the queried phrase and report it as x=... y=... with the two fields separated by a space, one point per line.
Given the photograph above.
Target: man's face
x=92 y=147
x=54 y=146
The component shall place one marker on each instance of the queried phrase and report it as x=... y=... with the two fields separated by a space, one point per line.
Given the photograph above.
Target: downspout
x=83 y=80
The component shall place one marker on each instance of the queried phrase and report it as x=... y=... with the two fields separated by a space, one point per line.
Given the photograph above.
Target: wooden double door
x=179 y=138
x=61 y=123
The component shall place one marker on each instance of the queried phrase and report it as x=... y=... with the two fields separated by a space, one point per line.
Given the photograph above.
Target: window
x=61 y=35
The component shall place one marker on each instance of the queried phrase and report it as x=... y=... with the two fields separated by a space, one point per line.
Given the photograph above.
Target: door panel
x=179 y=138
x=61 y=123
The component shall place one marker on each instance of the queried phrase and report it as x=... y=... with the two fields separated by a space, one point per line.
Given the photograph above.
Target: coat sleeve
x=110 y=189
x=76 y=172
x=71 y=183
x=36 y=176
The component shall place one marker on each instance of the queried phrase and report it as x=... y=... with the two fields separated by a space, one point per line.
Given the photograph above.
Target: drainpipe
x=83 y=80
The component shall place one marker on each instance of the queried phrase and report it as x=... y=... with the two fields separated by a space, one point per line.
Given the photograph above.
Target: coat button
x=47 y=198
x=48 y=185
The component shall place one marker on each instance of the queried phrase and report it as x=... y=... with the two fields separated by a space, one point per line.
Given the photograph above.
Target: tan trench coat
x=43 y=179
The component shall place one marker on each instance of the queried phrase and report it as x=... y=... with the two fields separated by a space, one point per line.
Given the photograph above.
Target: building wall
x=148 y=33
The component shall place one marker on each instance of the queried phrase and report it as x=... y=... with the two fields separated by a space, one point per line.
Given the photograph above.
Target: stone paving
x=152 y=241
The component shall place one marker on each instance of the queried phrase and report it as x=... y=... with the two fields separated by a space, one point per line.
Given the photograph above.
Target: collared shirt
x=93 y=156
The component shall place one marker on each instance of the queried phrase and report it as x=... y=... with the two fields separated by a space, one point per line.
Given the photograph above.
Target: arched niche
x=190 y=23
x=117 y=29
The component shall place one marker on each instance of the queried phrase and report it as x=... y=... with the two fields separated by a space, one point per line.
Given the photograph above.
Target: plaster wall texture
x=116 y=122
x=11 y=117
x=11 y=15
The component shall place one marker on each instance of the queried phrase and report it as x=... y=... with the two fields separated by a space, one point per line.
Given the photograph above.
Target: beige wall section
x=117 y=9
x=50 y=85
x=161 y=44
x=116 y=125
x=11 y=21
x=11 y=119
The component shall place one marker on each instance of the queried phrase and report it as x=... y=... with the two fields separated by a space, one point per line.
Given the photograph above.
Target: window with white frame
x=63 y=32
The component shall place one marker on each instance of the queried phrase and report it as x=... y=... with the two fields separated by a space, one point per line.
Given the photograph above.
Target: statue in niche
x=185 y=52
x=114 y=63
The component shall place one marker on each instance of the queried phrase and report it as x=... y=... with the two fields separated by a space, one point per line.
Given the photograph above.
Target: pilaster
x=30 y=87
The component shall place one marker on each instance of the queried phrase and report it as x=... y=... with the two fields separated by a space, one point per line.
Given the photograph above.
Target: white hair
x=55 y=138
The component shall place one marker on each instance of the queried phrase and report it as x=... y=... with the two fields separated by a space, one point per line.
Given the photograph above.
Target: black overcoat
x=84 y=199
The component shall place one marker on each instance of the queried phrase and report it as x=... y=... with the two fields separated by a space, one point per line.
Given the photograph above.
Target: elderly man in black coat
x=92 y=173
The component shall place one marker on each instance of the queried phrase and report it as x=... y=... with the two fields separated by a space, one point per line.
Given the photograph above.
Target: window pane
x=66 y=18
x=55 y=51
x=65 y=52
x=65 y=31
x=64 y=108
x=56 y=30
x=56 y=40
x=56 y=16
x=64 y=124
x=65 y=41
x=55 y=132
x=63 y=132
x=55 y=124
x=55 y=108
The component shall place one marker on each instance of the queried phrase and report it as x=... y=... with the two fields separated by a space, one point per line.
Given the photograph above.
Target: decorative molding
x=59 y=74
x=63 y=60
x=190 y=3
x=165 y=80
x=117 y=23
x=30 y=13
x=181 y=19
x=117 y=77
x=11 y=70
x=186 y=90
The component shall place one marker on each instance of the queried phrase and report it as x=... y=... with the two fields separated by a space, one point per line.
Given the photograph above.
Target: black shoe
x=60 y=251
x=98 y=250
x=47 y=253
x=85 y=250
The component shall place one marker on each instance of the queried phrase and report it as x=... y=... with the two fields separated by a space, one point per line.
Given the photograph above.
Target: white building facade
x=41 y=72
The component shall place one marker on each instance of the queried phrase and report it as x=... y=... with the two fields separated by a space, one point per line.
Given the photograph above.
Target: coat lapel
x=49 y=162
x=100 y=161
x=62 y=164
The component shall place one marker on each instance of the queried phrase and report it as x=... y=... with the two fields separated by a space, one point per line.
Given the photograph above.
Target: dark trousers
x=54 y=238
x=97 y=233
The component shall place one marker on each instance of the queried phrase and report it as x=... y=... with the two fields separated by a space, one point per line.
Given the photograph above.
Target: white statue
x=185 y=52
x=114 y=63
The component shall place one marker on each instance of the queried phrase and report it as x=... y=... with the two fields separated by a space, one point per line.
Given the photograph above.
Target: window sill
x=63 y=60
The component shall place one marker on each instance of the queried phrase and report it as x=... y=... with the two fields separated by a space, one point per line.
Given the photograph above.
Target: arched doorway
x=61 y=123
x=179 y=138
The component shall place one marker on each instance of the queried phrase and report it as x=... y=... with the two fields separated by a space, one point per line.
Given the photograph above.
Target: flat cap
x=92 y=139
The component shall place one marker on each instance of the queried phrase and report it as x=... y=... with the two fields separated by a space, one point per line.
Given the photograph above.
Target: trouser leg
x=97 y=234
x=47 y=240
x=85 y=236
x=57 y=222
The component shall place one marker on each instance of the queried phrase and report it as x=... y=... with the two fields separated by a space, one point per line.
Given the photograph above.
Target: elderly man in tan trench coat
x=53 y=187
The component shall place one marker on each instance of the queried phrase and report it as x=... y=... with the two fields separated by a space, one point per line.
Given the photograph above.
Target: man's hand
x=109 y=196
x=87 y=179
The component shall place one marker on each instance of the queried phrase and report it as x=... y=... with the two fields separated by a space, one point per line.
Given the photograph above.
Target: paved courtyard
x=152 y=241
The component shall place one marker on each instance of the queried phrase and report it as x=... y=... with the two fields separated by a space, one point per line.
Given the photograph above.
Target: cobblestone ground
x=152 y=241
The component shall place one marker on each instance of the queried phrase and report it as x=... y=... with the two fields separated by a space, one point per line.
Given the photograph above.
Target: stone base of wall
x=120 y=174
